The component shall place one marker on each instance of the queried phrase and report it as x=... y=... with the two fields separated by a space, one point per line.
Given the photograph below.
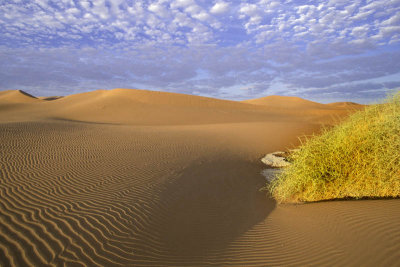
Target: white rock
x=275 y=160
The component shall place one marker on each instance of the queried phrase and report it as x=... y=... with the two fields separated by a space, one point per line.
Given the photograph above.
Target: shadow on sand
x=210 y=205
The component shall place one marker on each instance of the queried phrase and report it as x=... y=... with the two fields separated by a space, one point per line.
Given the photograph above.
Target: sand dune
x=16 y=96
x=142 y=107
x=292 y=102
x=297 y=107
x=141 y=178
x=150 y=107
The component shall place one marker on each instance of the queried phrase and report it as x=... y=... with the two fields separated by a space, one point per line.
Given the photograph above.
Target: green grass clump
x=356 y=159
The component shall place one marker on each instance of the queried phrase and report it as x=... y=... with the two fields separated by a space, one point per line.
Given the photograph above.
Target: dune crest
x=276 y=101
x=132 y=106
x=17 y=96
x=151 y=98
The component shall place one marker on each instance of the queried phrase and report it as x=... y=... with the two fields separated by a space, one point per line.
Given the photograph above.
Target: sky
x=326 y=51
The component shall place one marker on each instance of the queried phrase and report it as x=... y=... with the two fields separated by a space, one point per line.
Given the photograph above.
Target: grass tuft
x=359 y=158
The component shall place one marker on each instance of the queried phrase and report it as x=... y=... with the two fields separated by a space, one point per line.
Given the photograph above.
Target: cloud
x=207 y=47
x=219 y=8
x=100 y=9
x=182 y=3
x=264 y=21
x=203 y=16
x=158 y=9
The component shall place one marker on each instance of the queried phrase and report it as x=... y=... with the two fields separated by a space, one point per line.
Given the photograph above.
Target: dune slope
x=78 y=188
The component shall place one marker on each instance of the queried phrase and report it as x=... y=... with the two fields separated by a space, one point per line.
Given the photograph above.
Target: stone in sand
x=275 y=160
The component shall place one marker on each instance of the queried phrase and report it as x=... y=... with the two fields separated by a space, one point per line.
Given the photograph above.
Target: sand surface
x=140 y=178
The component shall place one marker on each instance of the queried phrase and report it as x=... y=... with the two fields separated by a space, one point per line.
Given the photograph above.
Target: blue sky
x=325 y=51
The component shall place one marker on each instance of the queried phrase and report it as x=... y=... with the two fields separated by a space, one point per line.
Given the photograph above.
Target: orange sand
x=140 y=178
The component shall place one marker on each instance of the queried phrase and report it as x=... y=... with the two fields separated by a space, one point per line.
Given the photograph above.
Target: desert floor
x=141 y=178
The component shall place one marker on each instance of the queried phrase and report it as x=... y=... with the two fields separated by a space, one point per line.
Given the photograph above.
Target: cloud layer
x=323 y=50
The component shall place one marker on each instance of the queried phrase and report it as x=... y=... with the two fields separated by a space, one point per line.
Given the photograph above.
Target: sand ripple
x=81 y=194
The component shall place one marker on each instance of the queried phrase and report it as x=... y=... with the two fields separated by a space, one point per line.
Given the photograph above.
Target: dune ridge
x=16 y=96
x=138 y=187
x=277 y=101
x=142 y=107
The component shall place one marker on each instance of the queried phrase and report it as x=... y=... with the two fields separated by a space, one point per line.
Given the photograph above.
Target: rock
x=276 y=160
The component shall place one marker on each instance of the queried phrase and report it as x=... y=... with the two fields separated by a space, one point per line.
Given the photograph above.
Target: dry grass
x=356 y=159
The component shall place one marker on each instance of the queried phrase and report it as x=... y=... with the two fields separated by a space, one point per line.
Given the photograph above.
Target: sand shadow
x=52 y=98
x=210 y=205
x=26 y=94
x=346 y=199
x=59 y=119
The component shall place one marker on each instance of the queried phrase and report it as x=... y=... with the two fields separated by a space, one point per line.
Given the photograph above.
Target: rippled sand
x=134 y=178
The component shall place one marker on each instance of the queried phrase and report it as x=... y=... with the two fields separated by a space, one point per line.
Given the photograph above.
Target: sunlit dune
x=142 y=178
x=16 y=96
x=142 y=107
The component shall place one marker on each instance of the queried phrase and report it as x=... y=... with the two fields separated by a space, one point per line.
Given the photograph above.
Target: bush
x=356 y=159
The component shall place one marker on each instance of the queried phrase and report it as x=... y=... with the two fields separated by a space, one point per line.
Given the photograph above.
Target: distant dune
x=148 y=107
x=142 y=107
x=140 y=178
x=16 y=96
x=276 y=101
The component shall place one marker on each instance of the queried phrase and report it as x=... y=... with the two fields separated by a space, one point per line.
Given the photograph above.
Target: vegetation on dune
x=356 y=159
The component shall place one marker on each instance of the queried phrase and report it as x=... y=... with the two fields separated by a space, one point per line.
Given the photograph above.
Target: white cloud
x=393 y=20
x=181 y=3
x=263 y=20
x=85 y=4
x=203 y=16
x=389 y=30
x=73 y=11
x=182 y=20
x=115 y=6
x=193 y=9
x=277 y=36
x=43 y=3
x=158 y=9
x=219 y=8
x=100 y=9
x=249 y=9
x=360 y=31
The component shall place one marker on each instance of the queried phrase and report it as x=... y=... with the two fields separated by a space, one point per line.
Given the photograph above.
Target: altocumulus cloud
x=322 y=50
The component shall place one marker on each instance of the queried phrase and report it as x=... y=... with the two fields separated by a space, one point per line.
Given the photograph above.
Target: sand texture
x=141 y=178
